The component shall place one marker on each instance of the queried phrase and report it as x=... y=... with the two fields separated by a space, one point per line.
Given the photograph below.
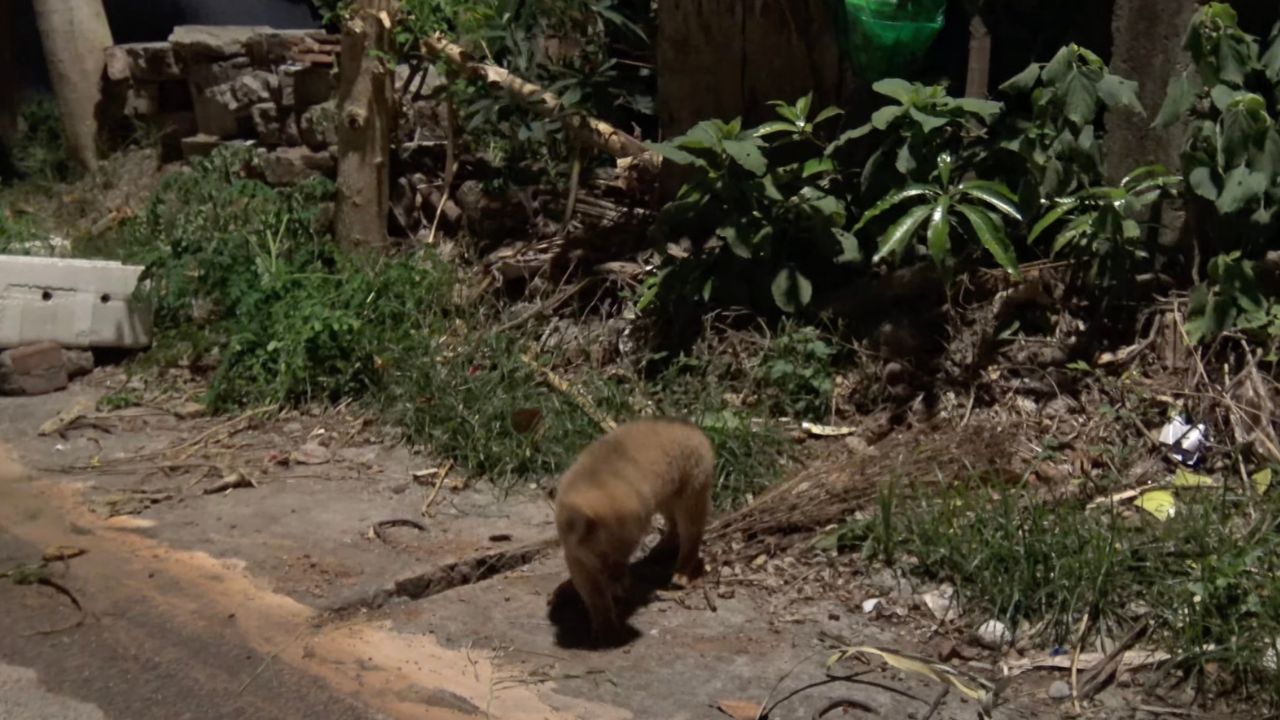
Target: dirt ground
x=338 y=615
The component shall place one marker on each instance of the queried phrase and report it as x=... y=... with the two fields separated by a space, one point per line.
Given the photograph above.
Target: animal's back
x=648 y=460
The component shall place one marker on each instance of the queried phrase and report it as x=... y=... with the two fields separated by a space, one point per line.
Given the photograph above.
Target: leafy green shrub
x=979 y=203
x=39 y=152
x=1231 y=161
x=248 y=273
x=1056 y=128
x=759 y=212
x=246 y=280
x=1101 y=226
x=795 y=375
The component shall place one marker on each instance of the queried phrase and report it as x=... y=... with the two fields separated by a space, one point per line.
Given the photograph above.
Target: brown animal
x=608 y=497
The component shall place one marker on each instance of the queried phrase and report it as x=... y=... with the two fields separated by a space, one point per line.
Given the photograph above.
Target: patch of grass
x=1207 y=580
x=795 y=375
x=39 y=153
x=246 y=282
x=19 y=234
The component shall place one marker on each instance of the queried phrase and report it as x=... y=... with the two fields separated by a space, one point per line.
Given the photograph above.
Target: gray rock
x=1059 y=690
x=213 y=41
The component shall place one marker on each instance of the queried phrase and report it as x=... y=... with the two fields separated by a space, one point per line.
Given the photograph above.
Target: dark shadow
x=568 y=613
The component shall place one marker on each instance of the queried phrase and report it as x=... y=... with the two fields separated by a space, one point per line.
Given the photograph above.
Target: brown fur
x=608 y=497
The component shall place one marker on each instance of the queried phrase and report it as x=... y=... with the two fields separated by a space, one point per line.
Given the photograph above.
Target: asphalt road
x=132 y=660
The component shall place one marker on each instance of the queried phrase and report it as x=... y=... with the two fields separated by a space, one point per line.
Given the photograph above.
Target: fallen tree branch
x=593 y=131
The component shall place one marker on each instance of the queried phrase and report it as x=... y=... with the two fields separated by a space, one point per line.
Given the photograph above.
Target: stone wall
x=208 y=85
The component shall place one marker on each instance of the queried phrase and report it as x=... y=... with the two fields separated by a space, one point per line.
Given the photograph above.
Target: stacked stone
x=272 y=87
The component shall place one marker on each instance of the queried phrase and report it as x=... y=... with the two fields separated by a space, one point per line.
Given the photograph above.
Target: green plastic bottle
x=884 y=37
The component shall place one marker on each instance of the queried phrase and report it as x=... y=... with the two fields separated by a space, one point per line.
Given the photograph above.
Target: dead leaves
x=740 y=709
x=968 y=685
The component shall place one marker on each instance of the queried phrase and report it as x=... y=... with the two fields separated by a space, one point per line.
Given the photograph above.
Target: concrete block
x=33 y=369
x=76 y=303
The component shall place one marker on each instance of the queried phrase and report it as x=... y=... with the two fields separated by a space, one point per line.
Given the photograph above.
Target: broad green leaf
x=827 y=114
x=846 y=137
x=1240 y=187
x=898 y=89
x=771 y=189
x=851 y=249
x=670 y=152
x=893 y=199
x=1062 y=64
x=1118 y=92
x=1160 y=503
x=1234 y=59
x=1130 y=229
x=761 y=238
x=928 y=122
x=895 y=240
x=994 y=194
x=1158 y=170
x=748 y=155
x=804 y=104
x=1222 y=96
x=791 y=290
x=1202 y=183
x=1271 y=60
x=813 y=166
x=788 y=113
x=1052 y=217
x=1023 y=82
x=1081 y=99
x=1074 y=230
x=885 y=116
x=990 y=233
x=732 y=238
x=986 y=109
x=775 y=126
x=1179 y=99
x=706 y=134
x=829 y=205
x=905 y=163
x=939 y=232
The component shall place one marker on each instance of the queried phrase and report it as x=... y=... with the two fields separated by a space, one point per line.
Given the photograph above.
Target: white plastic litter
x=1184 y=440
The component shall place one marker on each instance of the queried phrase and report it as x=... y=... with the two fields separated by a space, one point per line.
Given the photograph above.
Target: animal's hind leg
x=669 y=544
x=690 y=522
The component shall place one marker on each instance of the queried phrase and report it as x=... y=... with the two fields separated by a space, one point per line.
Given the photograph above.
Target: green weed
x=1206 y=580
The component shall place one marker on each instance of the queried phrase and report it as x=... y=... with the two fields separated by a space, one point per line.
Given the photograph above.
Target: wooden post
x=364 y=125
x=8 y=77
x=76 y=35
x=978 y=77
x=725 y=58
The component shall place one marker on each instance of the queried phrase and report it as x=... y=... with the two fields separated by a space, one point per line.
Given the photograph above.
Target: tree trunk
x=75 y=35
x=8 y=77
x=364 y=126
x=978 y=78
